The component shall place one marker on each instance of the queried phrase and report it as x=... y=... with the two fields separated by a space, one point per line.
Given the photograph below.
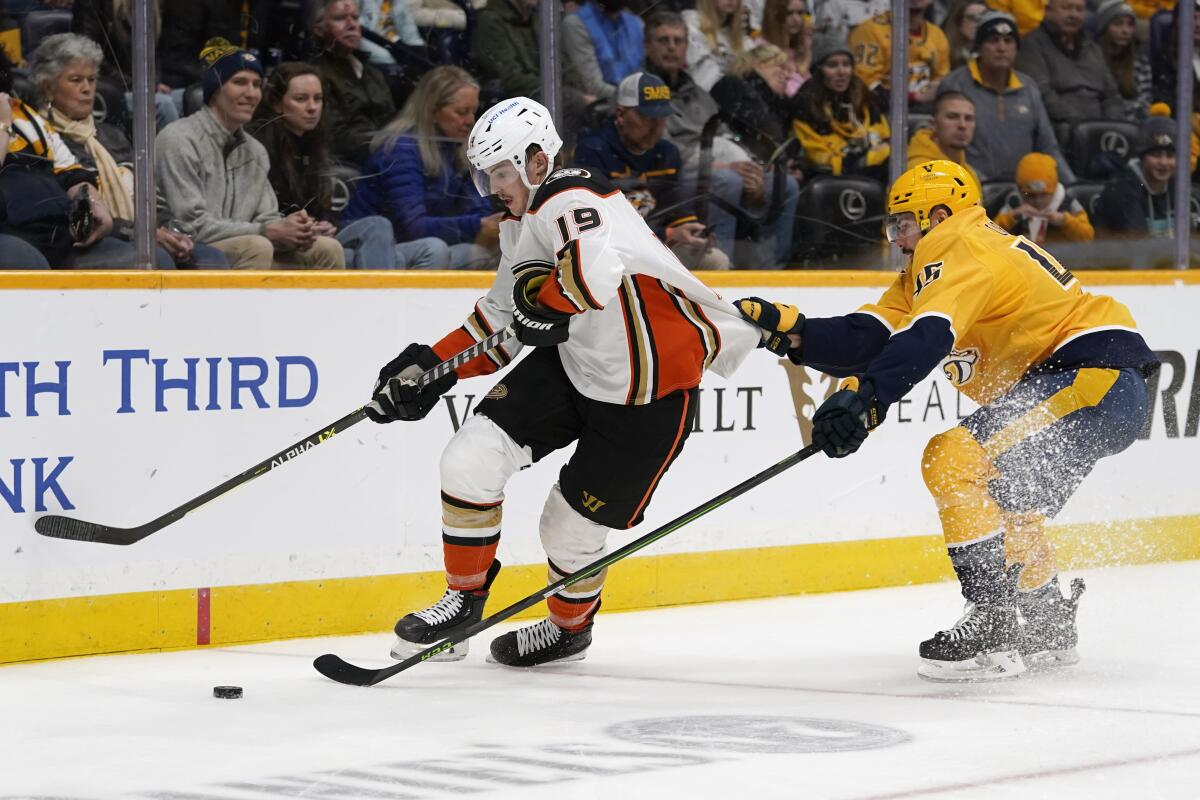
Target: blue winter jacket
x=394 y=185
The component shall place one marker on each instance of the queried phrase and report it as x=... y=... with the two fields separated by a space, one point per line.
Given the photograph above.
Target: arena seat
x=1100 y=147
x=341 y=179
x=1087 y=194
x=37 y=25
x=838 y=214
x=998 y=195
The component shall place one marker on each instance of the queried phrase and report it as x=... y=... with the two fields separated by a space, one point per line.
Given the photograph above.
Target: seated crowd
x=334 y=137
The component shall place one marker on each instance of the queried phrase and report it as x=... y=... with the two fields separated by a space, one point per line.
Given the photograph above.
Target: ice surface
x=804 y=697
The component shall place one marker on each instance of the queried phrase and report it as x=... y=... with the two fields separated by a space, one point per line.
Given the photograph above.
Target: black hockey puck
x=227 y=692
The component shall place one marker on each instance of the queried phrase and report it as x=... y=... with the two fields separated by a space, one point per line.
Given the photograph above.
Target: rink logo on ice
x=757 y=734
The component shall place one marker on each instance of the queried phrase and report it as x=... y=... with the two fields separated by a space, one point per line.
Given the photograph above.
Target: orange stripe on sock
x=571 y=616
x=467 y=565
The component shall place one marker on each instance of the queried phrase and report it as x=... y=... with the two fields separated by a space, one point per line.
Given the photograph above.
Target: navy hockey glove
x=396 y=396
x=777 y=320
x=536 y=325
x=841 y=423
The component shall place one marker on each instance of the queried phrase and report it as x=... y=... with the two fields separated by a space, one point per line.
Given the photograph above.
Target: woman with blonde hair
x=788 y=25
x=417 y=175
x=716 y=36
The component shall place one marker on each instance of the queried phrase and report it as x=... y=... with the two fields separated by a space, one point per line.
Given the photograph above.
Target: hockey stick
x=335 y=668
x=59 y=527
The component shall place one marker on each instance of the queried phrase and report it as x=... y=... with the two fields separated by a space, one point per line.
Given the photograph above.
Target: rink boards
x=124 y=395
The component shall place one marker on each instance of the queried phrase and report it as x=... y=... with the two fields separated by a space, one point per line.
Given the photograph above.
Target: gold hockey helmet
x=932 y=184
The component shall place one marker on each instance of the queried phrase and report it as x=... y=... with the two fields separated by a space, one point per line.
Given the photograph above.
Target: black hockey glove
x=536 y=325
x=396 y=396
x=777 y=320
x=841 y=423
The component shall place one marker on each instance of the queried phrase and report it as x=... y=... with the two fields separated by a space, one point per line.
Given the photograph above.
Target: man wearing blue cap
x=213 y=175
x=630 y=150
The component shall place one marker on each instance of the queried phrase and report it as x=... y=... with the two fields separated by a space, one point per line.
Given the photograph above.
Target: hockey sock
x=981 y=569
x=573 y=610
x=1025 y=543
x=470 y=536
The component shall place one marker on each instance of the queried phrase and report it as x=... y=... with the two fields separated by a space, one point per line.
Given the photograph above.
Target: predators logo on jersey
x=959 y=366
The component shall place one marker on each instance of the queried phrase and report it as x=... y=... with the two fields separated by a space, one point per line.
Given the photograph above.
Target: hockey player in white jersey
x=623 y=333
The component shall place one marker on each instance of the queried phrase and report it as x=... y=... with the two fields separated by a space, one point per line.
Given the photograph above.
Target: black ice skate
x=1048 y=635
x=540 y=644
x=455 y=611
x=982 y=646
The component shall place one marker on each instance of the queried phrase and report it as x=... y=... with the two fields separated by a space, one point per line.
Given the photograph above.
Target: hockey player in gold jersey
x=1060 y=378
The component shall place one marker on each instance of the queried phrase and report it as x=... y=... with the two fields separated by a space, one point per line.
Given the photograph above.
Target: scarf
x=116 y=183
x=618 y=44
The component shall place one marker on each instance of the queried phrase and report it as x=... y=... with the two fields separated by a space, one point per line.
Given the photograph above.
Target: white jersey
x=644 y=326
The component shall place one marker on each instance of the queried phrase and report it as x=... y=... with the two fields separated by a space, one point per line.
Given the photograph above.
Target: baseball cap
x=647 y=93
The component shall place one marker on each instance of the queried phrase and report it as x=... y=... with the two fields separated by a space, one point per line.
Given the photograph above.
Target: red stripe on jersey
x=678 y=346
x=551 y=295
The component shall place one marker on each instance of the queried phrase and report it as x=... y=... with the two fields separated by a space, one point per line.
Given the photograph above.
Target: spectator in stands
x=1045 y=215
x=109 y=23
x=39 y=179
x=961 y=25
x=1027 y=14
x=787 y=25
x=418 y=177
x=213 y=175
x=188 y=25
x=928 y=53
x=506 y=57
x=716 y=36
x=630 y=150
x=603 y=40
x=359 y=100
x=753 y=95
x=837 y=18
x=1127 y=60
x=736 y=178
x=1010 y=119
x=1069 y=68
x=291 y=126
x=64 y=68
x=951 y=134
x=838 y=120
x=1140 y=202
x=393 y=20
x=1166 y=76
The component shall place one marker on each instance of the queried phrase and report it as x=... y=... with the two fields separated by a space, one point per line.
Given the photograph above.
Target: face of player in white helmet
x=505 y=181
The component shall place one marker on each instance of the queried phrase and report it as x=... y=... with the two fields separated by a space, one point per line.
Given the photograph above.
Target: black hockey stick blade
x=336 y=669
x=59 y=527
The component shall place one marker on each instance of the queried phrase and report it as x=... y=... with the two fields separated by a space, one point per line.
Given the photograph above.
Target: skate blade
x=580 y=656
x=403 y=649
x=985 y=667
x=1051 y=659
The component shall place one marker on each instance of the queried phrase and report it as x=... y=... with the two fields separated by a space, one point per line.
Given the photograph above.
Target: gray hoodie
x=214 y=182
x=1007 y=125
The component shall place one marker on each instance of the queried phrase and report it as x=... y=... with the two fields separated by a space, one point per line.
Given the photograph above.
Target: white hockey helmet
x=504 y=132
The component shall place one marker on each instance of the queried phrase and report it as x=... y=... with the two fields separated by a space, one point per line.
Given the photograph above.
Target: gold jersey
x=1009 y=303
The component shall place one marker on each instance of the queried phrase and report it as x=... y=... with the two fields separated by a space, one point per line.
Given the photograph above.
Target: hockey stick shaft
x=334 y=668
x=60 y=527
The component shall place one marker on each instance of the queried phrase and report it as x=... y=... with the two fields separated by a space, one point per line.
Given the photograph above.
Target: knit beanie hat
x=996 y=23
x=1110 y=10
x=825 y=45
x=224 y=61
x=1157 y=132
x=1037 y=173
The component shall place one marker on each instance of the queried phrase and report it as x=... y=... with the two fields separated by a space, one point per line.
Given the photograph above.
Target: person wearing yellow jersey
x=928 y=53
x=951 y=134
x=1045 y=213
x=1060 y=377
